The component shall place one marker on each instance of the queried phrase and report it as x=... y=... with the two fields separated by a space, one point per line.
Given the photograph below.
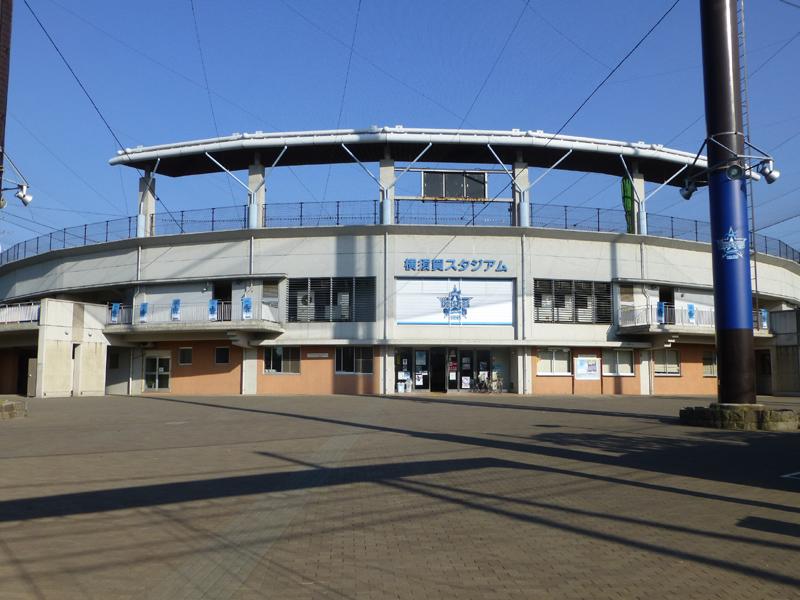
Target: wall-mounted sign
x=587 y=367
x=317 y=355
x=459 y=265
x=455 y=302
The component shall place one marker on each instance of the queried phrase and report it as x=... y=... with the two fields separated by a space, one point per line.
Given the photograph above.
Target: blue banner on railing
x=175 y=310
x=247 y=308
x=115 y=308
x=691 y=311
x=764 y=318
x=143 y=308
x=660 y=312
x=212 y=310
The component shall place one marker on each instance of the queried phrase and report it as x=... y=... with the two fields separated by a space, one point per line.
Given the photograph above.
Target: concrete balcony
x=668 y=318
x=193 y=317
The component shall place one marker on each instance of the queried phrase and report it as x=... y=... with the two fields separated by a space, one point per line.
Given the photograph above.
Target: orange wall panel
x=317 y=375
x=691 y=381
x=203 y=377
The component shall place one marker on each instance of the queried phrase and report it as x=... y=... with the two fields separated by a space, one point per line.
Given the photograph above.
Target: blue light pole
x=730 y=243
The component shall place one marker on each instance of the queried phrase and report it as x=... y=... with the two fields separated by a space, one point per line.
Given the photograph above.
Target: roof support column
x=640 y=206
x=387 y=181
x=521 y=192
x=257 y=194
x=145 y=220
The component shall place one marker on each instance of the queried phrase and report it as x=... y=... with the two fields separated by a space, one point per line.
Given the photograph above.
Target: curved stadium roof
x=237 y=151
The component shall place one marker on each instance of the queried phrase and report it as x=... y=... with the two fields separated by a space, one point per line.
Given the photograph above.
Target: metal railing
x=366 y=212
x=195 y=312
x=19 y=313
x=669 y=314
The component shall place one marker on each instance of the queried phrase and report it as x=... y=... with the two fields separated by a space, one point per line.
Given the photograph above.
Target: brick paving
x=444 y=496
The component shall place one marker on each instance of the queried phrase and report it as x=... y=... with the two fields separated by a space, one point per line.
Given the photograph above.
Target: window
x=331 y=299
x=626 y=293
x=454 y=184
x=184 y=356
x=279 y=359
x=554 y=361
x=709 y=364
x=667 y=362
x=617 y=362
x=354 y=359
x=222 y=356
x=565 y=301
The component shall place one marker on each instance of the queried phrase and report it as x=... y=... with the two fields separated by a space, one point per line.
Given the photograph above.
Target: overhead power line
x=344 y=90
x=208 y=88
x=74 y=75
x=494 y=64
x=614 y=70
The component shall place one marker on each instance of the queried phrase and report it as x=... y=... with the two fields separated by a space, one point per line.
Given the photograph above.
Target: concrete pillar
x=145 y=222
x=639 y=208
x=387 y=196
x=522 y=206
x=258 y=194
x=249 y=371
x=388 y=374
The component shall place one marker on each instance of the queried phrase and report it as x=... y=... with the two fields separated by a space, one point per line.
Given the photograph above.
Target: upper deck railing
x=497 y=213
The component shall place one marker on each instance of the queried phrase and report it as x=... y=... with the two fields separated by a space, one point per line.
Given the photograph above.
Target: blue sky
x=275 y=65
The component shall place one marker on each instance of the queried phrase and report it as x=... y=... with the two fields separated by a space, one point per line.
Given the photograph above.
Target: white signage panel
x=454 y=302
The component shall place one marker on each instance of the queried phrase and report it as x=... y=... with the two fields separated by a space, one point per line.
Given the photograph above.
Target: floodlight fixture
x=689 y=188
x=770 y=173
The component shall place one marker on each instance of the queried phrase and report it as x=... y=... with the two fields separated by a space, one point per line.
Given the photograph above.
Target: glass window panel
x=475 y=184
x=454 y=185
x=222 y=356
x=433 y=184
x=561 y=361
x=185 y=356
x=624 y=362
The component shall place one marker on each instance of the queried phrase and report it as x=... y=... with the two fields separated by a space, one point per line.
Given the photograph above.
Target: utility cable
x=208 y=88
x=344 y=90
x=614 y=70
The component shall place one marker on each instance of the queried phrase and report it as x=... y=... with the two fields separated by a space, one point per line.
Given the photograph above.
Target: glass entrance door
x=156 y=373
x=421 y=376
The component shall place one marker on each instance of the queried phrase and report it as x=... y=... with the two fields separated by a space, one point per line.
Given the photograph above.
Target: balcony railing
x=366 y=212
x=19 y=313
x=203 y=312
x=680 y=316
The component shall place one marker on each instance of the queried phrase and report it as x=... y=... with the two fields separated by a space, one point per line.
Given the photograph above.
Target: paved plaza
x=457 y=496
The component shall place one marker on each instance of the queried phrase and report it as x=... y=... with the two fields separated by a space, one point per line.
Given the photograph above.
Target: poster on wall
x=247 y=308
x=175 y=310
x=455 y=301
x=587 y=368
x=691 y=312
x=465 y=382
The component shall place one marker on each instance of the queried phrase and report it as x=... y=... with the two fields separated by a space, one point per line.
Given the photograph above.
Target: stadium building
x=450 y=290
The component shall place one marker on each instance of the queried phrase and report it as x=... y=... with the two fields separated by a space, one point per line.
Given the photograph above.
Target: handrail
x=669 y=314
x=27 y=312
x=366 y=212
x=189 y=312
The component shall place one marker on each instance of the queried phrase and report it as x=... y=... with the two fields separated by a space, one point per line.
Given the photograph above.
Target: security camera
x=22 y=194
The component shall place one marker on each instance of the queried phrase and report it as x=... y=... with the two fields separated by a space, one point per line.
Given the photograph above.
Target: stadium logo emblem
x=454 y=305
x=732 y=247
